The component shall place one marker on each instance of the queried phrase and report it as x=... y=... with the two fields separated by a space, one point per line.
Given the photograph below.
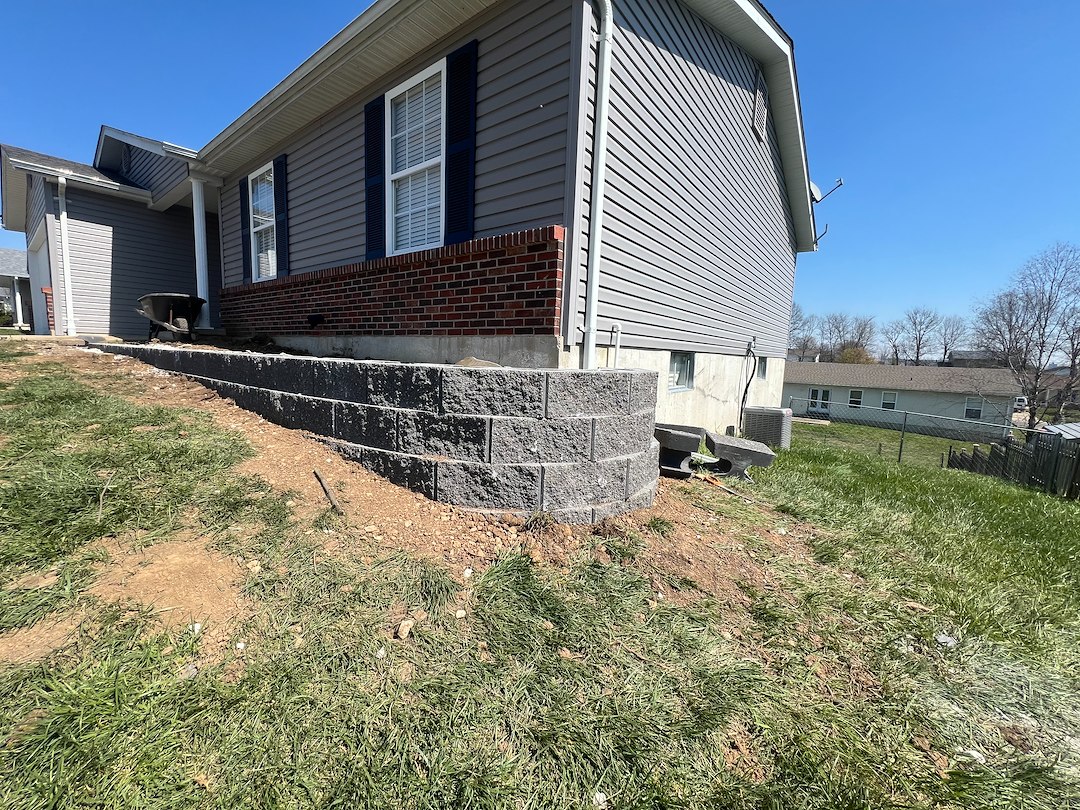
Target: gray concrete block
x=493 y=391
x=307 y=413
x=577 y=515
x=587 y=393
x=643 y=386
x=490 y=486
x=417 y=474
x=533 y=441
x=615 y=436
x=340 y=379
x=464 y=438
x=347 y=450
x=366 y=425
x=570 y=485
x=393 y=385
x=644 y=468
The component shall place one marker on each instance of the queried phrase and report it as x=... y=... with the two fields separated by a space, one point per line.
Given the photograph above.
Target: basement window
x=681 y=371
x=762 y=368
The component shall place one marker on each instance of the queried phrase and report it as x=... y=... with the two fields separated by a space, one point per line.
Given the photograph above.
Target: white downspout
x=202 y=273
x=599 y=171
x=65 y=259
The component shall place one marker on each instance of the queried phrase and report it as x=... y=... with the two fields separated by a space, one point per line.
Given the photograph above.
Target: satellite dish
x=815 y=192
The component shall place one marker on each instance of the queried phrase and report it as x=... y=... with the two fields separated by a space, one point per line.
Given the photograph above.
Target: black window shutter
x=245 y=229
x=281 y=215
x=375 y=177
x=460 y=143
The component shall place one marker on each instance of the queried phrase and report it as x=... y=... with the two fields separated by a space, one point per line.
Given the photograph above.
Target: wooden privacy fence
x=1045 y=461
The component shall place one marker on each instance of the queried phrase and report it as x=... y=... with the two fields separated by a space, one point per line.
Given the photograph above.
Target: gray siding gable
x=524 y=75
x=156 y=173
x=698 y=240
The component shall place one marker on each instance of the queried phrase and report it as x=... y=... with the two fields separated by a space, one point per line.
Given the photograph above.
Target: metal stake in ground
x=329 y=495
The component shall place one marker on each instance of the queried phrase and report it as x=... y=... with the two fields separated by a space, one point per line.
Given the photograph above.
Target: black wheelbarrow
x=171 y=312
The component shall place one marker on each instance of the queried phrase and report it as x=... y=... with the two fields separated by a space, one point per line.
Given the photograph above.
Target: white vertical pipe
x=617 y=329
x=202 y=273
x=65 y=259
x=599 y=171
x=17 y=298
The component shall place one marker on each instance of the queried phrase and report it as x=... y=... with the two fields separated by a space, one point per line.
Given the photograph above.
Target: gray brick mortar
x=462 y=438
x=490 y=486
x=587 y=393
x=615 y=436
x=532 y=441
x=575 y=485
x=496 y=439
x=493 y=391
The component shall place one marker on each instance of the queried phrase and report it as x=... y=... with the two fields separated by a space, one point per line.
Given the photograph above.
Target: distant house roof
x=16 y=163
x=13 y=263
x=1070 y=430
x=964 y=354
x=984 y=381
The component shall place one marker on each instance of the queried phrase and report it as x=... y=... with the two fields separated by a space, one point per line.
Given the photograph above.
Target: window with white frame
x=888 y=400
x=681 y=371
x=263 y=232
x=762 y=368
x=973 y=408
x=855 y=398
x=415 y=151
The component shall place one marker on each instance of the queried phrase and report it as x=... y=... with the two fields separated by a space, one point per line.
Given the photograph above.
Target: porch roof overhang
x=16 y=163
x=111 y=142
x=390 y=32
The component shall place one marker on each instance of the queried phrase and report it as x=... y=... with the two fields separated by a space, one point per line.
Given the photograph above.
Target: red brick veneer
x=500 y=285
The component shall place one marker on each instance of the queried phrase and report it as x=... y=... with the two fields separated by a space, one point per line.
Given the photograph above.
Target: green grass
x=925 y=451
x=824 y=686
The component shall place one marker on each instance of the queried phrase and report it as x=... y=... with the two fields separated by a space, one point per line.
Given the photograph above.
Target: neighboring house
x=420 y=189
x=973 y=359
x=880 y=395
x=1069 y=431
x=794 y=356
x=15 y=286
x=111 y=232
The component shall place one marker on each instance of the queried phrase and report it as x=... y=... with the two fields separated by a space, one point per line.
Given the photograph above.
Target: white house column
x=16 y=296
x=202 y=273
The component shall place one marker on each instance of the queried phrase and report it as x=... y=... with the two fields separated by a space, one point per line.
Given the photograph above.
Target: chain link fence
x=998 y=448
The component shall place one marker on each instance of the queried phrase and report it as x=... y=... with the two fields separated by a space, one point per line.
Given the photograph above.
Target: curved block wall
x=576 y=444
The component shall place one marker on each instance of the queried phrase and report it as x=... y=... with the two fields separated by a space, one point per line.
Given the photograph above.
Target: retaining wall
x=576 y=444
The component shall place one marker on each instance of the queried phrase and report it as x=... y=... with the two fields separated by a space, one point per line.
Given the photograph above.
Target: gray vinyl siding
x=121 y=250
x=36 y=203
x=698 y=247
x=522 y=103
x=156 y=173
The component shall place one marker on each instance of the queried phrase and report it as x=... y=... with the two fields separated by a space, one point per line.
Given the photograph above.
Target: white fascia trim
x=324 y=58
x=156 y=147
x=105 y=186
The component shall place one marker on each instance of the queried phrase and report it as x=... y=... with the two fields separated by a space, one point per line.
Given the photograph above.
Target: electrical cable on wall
x=752 y=370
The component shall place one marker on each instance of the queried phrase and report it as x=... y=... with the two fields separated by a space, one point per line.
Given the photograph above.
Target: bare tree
x=950 y=333
x=920 y=324
x=803 y=326
x=863 y=330
x=1029 y=324
x=893 y=343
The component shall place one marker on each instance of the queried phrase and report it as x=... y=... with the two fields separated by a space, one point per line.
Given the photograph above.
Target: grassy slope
x=560 y=683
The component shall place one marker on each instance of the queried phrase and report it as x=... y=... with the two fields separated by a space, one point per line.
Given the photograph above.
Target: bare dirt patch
x=182 y=580
x=29 y=644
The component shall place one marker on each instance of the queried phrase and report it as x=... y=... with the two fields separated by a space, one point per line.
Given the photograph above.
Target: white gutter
x=65 y=262
x=599 y=177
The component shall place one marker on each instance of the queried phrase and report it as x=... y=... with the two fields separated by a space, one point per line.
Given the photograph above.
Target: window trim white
x=388 y=156
x=967 y=408
x=254 y=269
x=851 y=396
x=762 y=372
x=820 y=403
x=690 y=382
x=890 y=406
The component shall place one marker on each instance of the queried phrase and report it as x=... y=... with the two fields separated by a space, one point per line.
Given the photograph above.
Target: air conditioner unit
x=771 y=426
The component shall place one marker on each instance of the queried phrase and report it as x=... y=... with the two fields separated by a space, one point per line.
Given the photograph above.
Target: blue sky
x=953 y=122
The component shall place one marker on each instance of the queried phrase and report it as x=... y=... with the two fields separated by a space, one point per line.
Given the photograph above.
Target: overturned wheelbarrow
x=171 y=312
x=680 y=445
